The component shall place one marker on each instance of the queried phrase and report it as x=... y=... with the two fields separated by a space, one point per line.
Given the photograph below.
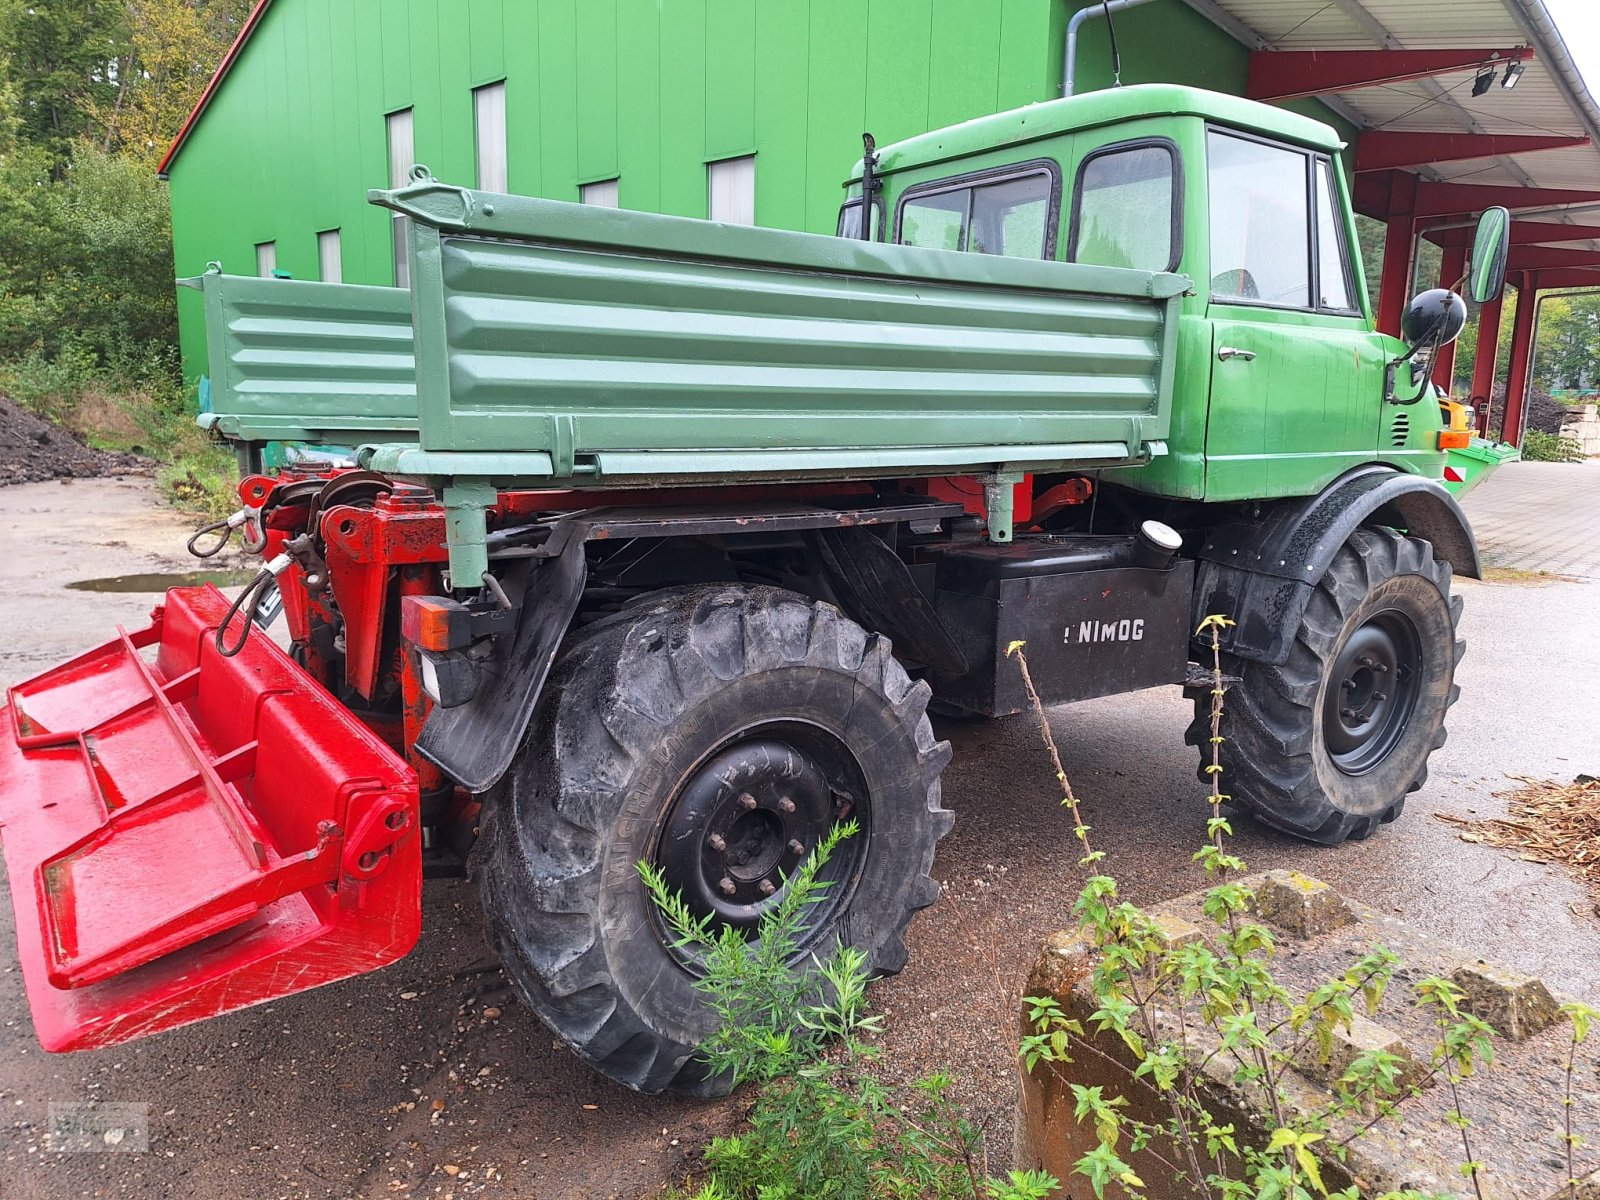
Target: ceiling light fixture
x=1513 y=73
x=1484 y=81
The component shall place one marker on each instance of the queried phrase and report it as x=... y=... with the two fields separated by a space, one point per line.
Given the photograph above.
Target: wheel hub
x=1372 y=692
x=739 y=827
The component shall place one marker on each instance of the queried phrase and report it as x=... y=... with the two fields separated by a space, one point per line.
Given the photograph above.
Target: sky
x=1579 y=22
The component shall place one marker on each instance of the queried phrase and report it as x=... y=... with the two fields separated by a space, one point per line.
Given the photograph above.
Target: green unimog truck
x=655 y=538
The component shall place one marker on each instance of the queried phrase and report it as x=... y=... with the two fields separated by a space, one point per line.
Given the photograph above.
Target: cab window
x=1125 y=210
x=1260 y=222
x=1011 y=212
x=850 y=219
x=1333 y=267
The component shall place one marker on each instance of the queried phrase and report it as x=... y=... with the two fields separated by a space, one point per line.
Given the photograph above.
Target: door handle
x=1224 y=353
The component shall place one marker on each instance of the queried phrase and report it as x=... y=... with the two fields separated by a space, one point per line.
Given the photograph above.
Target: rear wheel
x=1328 y=745
x=719 y=733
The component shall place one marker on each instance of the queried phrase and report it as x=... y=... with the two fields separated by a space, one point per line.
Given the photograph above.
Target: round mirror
x=1434 y=318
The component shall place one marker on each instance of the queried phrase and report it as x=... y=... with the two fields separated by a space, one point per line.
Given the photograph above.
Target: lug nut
x=786 y=804
x=1380 y=696
x=1364 y=661
x=717 y=842
x=725 y=886
x=1349 y=714
x=797 y=846
x=746 y=800
x=766 y=887
x=1381 y=668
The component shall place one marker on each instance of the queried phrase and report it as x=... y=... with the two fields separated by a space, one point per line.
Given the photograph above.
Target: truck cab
x=1281 y=379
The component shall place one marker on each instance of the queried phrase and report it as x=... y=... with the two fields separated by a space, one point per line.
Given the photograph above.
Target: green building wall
x=644 y=91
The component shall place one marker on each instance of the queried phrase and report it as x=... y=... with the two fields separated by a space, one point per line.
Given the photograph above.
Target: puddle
x=160 y=583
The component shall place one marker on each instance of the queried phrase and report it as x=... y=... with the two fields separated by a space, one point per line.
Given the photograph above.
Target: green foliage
x=1538 y=446
x=1192 y=1010
x=796 y=1025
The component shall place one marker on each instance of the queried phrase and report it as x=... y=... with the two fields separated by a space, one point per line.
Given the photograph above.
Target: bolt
x=1380 y=668
x=717 y=842
x=746 y=800
x=1379 y=696
x=797 y=846
x=1364 y=661
x=766 y=887
x=725 y=886
x=1348 y=684
x=1349 y=714
x=786 y=804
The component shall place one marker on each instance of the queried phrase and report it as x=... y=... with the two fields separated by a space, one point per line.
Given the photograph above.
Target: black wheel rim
x=1372 y=692
x=747 y=816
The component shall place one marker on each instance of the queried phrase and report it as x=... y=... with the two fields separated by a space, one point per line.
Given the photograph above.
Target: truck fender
x=1261 y=573
x=475 y=742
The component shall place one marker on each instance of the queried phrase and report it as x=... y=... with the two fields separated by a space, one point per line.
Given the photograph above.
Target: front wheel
x=1327 y=746
x=718 y=733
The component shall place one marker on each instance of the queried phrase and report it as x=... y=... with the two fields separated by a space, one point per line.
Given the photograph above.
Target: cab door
x=1296 y=372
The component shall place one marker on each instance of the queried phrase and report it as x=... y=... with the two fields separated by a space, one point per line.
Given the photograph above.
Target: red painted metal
x=1467 y=199
x=1383 y=149
x=249 y=27
x=1288 y=74
x=1521 y=360
x=1523 y=233
x=1574 y=277
x=1543 y=258
x=1487 y=360
x=1452 y=265
x=1394 y=287
x=188 y=834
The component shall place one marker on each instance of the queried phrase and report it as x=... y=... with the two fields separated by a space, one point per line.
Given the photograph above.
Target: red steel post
x=1452 y=264
x=1398 y=248
x=1487 y=360
x=1517 y=376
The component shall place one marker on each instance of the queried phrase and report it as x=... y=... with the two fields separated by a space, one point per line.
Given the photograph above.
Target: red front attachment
x=187 y=834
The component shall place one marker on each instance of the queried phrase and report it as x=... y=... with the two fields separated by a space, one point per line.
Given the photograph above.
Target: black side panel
x=475 y=743
x=1261 y=573
x=877 y=591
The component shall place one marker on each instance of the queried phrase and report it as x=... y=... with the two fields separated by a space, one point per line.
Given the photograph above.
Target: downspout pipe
x=1069 y=53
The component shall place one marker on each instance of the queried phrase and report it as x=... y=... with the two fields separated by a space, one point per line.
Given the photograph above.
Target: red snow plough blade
x=187 y=834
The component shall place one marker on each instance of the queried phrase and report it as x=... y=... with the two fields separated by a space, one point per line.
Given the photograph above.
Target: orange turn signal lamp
x=435 y=622
x=1454 y=439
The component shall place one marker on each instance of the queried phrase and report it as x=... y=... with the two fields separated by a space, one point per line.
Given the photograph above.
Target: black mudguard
x=475 y=742
x=877 y=591
x=1261 y=573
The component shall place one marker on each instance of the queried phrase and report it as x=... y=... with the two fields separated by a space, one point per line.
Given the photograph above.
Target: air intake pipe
x=1069 y=55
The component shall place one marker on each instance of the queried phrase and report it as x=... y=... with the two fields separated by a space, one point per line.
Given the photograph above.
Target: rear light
x=1454 y=439
x=435 y=623
x=449 y=679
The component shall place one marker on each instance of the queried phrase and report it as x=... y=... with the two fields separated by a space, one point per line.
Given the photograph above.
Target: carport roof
x=1555 y=186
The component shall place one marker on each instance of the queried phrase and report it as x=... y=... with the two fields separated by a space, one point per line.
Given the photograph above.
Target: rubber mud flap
x=475 y=742
x=187 y=834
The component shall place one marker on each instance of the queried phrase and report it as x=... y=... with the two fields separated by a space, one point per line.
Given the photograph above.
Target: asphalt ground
x=427 y=1078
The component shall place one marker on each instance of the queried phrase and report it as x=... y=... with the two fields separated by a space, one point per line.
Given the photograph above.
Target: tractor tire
x=1327 y=746
x=748 y=717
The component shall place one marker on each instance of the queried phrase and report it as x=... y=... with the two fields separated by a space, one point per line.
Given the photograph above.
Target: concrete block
x=1300 y=905
x=1517 y=1006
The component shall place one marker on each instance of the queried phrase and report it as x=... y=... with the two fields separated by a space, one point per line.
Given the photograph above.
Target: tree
x=64 y=62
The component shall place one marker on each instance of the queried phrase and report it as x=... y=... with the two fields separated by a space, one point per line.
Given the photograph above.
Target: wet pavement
x=426 y=1078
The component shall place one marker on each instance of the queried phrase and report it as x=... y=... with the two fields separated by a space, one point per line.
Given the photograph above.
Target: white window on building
x=601 y=194
x=330 y=257
x=402 y=154
x=266 y=259
x=489 y=113
x=731 y=190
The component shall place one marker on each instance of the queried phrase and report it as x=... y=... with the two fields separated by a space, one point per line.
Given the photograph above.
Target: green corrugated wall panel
x=682 y=101
x=558 y=99
x=644 y=89
x=595 y=95
x=524 y=144
x=639 y=124
x=486 y=22
x=730 y=78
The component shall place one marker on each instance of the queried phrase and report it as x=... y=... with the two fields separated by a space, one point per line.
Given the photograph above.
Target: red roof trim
x=228 y=60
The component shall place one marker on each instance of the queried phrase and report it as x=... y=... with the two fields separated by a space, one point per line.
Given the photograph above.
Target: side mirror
x=1489 y=247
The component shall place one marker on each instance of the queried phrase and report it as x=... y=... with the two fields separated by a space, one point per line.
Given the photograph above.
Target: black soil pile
x=33 y=450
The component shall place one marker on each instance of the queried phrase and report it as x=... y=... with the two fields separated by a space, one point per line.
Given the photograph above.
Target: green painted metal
x=308 y=362
x=638 y=90
x=582 y=332
x=1475 y=462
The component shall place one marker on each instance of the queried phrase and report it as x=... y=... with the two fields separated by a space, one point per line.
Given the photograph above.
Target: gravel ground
x=427 y=1078
x=32 y=449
